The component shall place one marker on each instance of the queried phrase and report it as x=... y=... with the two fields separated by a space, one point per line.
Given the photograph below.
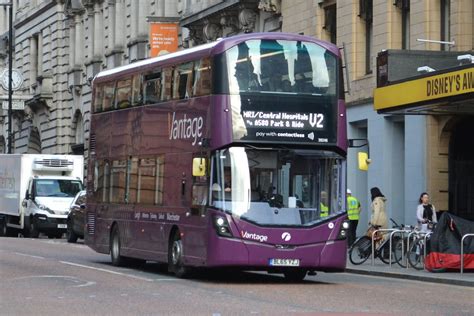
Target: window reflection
x=282 y=67
x=283 y=187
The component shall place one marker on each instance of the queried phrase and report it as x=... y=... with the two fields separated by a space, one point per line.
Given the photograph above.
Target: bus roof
x=208 y=49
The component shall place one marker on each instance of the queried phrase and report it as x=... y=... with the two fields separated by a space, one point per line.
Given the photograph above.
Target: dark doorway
x=461 y=169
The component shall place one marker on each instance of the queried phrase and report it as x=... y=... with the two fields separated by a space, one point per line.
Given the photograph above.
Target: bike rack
x=428 y=234
x=373 y=245
x=462 y=250
x=403 y=232
x=408 y=245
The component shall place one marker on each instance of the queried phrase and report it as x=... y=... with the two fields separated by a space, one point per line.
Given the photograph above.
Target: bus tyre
x=117 y=258
x=295 y=275
x=70 y=234
x=175 y=257
x=33 y=230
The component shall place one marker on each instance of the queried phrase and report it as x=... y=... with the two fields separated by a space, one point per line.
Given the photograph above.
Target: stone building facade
x=60 y=45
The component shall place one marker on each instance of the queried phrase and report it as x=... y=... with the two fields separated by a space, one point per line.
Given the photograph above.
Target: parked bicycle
x=400 y=246
x=361 y=250
x=416 y=253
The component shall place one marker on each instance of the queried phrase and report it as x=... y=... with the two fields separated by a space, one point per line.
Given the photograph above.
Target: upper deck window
x=108 y=101
x=183 y=81
x=124 y=93
x=281 y=66
x=98 y=98
x=202 y=77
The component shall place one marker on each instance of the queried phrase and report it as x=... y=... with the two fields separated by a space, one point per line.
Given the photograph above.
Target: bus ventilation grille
x=54 y=163
x=92 y=143
x=90 y=223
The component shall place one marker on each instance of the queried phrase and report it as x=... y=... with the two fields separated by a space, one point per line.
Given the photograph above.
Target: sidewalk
x=381 y=269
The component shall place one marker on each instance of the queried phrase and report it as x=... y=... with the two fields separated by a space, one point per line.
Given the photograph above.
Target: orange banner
x=163 y=38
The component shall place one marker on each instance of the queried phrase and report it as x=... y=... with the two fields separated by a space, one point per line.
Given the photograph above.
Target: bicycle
x=400 y=246
x=361 y=249
x=416 y=253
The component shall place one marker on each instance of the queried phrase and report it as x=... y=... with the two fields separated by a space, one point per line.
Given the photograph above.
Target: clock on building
x=17 y=79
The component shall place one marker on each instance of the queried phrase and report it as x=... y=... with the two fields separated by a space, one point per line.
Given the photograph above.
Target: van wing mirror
x=364 y=161
x=199 y=167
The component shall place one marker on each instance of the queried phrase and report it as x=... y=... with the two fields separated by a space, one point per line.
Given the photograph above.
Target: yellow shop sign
x=424 y=89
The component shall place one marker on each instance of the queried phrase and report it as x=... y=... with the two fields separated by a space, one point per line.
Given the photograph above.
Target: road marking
x=27 y=255
x=106 y=270
x=167 y=280
x=67 y=277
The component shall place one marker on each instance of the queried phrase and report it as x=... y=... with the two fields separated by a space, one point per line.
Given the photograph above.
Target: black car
x=75 y=219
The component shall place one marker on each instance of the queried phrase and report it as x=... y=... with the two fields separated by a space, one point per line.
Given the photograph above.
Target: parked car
x=75 y=219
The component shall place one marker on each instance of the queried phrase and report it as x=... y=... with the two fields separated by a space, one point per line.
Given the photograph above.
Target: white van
x=36 y=192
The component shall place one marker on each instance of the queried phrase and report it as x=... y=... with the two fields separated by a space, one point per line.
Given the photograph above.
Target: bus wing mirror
x=364 y=161
x=199 y=167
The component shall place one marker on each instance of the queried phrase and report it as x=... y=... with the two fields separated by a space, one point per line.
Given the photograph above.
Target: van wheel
x=34 y=232
x=175 y=257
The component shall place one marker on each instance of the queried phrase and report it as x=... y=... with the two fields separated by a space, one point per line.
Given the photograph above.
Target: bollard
x=462 y=250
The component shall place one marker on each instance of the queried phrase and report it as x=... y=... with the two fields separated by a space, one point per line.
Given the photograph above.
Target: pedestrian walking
x=353 y=213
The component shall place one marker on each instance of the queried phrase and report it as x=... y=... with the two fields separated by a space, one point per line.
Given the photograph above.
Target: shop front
x=446 y=99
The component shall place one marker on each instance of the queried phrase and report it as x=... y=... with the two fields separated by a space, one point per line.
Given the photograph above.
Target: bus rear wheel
x=175 y=257
x=115 y=256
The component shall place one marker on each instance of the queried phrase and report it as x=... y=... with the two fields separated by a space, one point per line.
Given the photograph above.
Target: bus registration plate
x=62 y=225
x=285 y=262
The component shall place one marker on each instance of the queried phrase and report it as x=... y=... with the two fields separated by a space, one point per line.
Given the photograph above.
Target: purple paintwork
x=316 y=247
x=341 y=126
x=145 y=131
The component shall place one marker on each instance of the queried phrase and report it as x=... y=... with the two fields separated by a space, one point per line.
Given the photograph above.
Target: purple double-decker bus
x=230 y=154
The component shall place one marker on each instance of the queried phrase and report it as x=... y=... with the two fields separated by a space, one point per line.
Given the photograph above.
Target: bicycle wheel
x=400 y=252
x=415 y=254
x=384 y=252
x=360 y=250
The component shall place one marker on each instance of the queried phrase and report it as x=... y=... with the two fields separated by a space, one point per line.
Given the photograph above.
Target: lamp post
x=9 y=3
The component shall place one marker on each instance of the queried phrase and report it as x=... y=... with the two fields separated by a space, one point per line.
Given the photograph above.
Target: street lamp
x=9 y=3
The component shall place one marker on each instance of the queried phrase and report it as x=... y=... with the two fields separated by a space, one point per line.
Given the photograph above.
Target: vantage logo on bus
x=185 y=127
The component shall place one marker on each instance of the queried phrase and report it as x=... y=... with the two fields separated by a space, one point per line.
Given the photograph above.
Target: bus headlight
x=344 y=229
x=222 y=226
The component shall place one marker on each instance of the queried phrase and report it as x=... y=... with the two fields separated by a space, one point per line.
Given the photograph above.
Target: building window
x=445 y=10
x=330 y=24
x=404 y=7
x=365 y=13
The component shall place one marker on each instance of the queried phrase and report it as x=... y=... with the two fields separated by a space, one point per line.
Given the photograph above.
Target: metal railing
x=373 y=244
x=408 y=245
x=425 y=245
x=398 y=231
x=462 y=250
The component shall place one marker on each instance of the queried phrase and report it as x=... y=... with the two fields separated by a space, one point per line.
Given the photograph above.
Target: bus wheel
x=33 y=230
x=295 y=275
x=117 y=259
x=175 y=257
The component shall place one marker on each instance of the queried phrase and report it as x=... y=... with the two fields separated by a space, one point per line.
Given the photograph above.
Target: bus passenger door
x=195 y=202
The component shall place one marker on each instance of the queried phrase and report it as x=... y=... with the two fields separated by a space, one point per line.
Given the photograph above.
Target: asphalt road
x=50 y=276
